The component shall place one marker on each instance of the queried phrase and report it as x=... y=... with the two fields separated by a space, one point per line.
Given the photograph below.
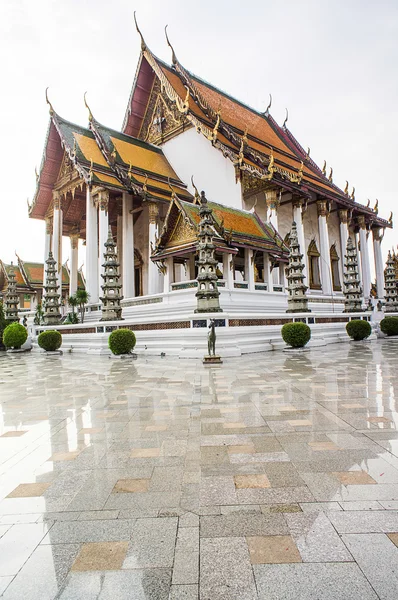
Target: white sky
x=333 y=64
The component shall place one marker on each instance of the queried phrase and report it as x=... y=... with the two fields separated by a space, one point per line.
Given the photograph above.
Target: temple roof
x=253 y=141
x=232 y=227
x=29 y=275
x=104 y=157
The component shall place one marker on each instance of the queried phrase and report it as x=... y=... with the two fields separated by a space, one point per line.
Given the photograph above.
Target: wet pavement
x=271 y=477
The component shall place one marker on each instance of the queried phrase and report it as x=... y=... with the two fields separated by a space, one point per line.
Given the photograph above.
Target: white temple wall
x=257 y=201
x=285 y=219
x=311 y=231
x=191 y=154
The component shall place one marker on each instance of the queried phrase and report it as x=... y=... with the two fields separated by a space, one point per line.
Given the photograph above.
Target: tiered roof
x=29 y=276
x=232 y=227
x=253 y=141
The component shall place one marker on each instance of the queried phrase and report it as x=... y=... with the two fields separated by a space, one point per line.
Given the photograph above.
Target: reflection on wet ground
x=274 y=476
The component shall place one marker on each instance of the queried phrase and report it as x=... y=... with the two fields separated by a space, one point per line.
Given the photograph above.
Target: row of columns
x=324 y=242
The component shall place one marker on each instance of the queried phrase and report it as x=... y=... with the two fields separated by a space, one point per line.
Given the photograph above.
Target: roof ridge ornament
x=376 y=207
x=324 y=168
x=197 y=195
x=143 y=44
x=173 y=54
x=353 y=194
x=51 y=110
x=368 y=203
x=266 y=112
x=90 y=114
x=37 y=176
x=173 y=194
x=346 y=188
x=308 y=153
x=286 y=119
x=331 y=175
x=183 y=107
x=390 y=218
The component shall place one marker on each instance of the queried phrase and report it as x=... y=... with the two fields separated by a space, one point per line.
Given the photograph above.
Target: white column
x=365 y=262
x=74 y=257
x=228 y=270
x=57 y=237
x=343 y=214
x=326 y=275
x=102 y=201
x=128 y=247
x=272 y=202
x=168 y=274
x=298 y=219
x=379 y=267
x=91 y=248
x=249 y=268
x=47 y=247
x=267 y=272
x=153 y=273
x=282 y=279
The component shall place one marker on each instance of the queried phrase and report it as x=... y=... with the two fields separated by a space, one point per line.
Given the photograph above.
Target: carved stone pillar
x=378 y=257
x=74 y=254
x=298 y=219
x=267 y=272
x=228 y=268
x=343 y=215
x=168 y=274
x=92 y=283
x=153 y=274
x=57 y=237
x=365 y=262
x=128 y=247
x=326 y=275
x=249 y=268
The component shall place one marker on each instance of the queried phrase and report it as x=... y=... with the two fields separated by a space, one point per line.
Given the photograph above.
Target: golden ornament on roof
x=143 y=44
x=376 y=207
x=90 y=114
x=331 y=175
x=49 y=103
x=266 y=113
x=197 y=195
x=346 y=188
x=286 y=119
x=353 y=194
x=324 y=168
x=173 y=54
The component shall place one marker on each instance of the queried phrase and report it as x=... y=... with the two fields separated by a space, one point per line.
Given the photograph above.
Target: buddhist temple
x=180 y=132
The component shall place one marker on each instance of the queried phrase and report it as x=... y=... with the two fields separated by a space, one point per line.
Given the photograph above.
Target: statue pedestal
x=212 y=360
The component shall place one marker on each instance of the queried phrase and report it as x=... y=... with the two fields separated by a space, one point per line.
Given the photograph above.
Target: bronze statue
x=211 y=338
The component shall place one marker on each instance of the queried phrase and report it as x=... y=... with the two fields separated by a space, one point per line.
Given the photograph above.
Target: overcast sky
x=332 y=63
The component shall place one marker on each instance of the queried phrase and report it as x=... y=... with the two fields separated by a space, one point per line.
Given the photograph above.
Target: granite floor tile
x=29 y=490
x=100 y=556
x=4 y=583
x=377 y=557
x=251 y=481
x=241 y=524
x=185 y=568
x=393 y=537
x=316 y=538
x=152 y=543
x=70 y=532
x=364 y=521
x=274 y=549
x=145 y=453
x=18 y=544
x=184 y=592
x=225 y=570
x=52 y=564
x=124 y=486
x=354 y=478
x=312 y=581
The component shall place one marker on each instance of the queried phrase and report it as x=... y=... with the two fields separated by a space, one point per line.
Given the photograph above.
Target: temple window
x=313 y=266
x=334 y=262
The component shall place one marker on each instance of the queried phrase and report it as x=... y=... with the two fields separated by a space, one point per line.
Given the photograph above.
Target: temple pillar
x=267 y=272
x=298 y=219
x=128 y=246
x=356 y=244
x=57 y=237
x=228 y=268
x=92 y=282
x=343 y=214
x=168 y=274
x=153 y=275
x=47 y=247
x=102 y=202
x=378 y=257
x=249 y=268
x=192 y=267
x=74 y=257
x=272 y=202
x=365 y=262
x=324 y=249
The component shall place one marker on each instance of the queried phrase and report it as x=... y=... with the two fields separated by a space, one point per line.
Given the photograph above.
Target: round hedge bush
x=296 y=335
x=358 y=329
x=389 y=325
x=122 y=341
x=14 y=336
x=50 y=340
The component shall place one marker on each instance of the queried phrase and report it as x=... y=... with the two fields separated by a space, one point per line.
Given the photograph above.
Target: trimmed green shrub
x=358 y=329
x=14 y=336
x=389 y=325
x=296 y=335
x=50 y=340
x=122 y=341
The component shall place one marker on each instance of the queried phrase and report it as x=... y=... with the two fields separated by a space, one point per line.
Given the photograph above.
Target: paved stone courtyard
x=274 y=476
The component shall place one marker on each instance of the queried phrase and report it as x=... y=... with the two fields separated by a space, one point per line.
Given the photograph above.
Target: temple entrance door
x=137 y=273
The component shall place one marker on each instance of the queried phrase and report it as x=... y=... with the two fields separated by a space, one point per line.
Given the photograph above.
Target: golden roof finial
x=353 y=194
x=244 y=138
x=49 y=103
x=390 y=218
x=143 y=44
x=37 y=175
x=331 y=175
x=346 y=188
x=90 y=114
x=74 y=149
x=368 y=203
x=197 y=195
x=324 y=168
x=376 y=207
x=286 y=119
x=266 y=113
x=173 y=54
x=308 y=152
